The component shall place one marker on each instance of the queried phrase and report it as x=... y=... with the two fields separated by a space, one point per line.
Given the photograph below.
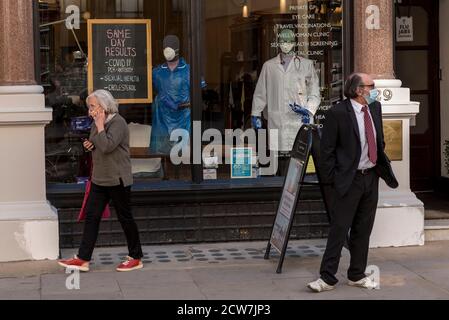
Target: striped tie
x=370 y=138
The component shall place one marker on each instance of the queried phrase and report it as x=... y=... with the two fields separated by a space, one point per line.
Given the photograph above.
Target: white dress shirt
x=365 y=163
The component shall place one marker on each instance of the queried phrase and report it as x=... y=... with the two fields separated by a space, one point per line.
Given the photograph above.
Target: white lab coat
x=277 y=89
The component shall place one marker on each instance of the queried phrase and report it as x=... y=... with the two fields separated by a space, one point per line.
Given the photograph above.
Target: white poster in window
x=404 y=29
x=288 y=200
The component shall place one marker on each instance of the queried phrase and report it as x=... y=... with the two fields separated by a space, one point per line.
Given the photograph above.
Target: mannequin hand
x=168 y=102
x=298 y=109
x=301 y=111
x=306 y=119
x=256 y=122
x=183 y=106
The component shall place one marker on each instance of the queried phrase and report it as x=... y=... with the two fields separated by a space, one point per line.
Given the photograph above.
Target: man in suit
x=352 y=160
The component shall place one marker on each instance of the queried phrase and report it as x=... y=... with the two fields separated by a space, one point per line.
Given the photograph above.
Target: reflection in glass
x=64 y=77
x=276 y=69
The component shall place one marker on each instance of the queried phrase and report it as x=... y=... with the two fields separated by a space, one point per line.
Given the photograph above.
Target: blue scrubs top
x=173 y=89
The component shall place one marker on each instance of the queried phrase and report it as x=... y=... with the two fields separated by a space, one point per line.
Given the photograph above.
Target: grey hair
x=105 y=100
x=352 y=84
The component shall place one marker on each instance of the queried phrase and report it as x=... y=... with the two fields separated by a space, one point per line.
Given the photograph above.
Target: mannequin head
x=171 y=48
x=287 y=41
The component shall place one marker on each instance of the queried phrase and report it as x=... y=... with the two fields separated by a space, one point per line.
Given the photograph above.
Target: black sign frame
x=91 y=67
x=307 y=144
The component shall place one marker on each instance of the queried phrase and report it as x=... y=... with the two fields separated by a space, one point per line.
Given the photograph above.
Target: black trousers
x=354 y=213
x=99 y=197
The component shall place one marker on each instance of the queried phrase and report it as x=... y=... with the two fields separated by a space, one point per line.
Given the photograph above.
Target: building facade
x=48 y=48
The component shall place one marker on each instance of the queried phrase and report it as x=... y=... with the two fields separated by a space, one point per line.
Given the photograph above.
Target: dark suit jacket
x=341 y=150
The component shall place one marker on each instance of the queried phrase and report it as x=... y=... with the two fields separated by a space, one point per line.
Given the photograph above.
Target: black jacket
x=341 y=150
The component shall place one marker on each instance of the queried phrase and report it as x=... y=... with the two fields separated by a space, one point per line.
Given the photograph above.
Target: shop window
x=241 y=42
x=271 y=64
x=64 y=75
x=129 y=8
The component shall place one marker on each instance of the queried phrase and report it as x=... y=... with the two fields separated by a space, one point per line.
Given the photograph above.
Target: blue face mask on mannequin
x=372 y=97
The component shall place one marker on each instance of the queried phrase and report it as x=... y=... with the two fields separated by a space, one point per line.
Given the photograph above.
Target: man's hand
x=256 y=122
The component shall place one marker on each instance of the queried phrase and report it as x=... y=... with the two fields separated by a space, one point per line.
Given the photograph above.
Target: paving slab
x=20 y=288
x=181 y=291
x=243 y=290
x=98 y=286
x=409 y=273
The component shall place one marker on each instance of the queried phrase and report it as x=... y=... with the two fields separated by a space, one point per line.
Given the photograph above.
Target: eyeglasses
x=372 y=86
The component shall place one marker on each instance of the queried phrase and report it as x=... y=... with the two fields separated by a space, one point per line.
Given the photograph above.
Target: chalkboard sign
x=120 y=59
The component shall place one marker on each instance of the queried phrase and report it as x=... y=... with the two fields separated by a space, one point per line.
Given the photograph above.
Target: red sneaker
x=130 y=265
x=75 y=263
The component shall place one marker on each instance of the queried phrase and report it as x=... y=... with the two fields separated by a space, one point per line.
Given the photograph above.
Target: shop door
x=417 y=66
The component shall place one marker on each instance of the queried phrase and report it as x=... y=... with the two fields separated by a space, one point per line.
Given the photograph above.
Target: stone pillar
x=16 y=43
x=400 y=215
x=28 y=223
x=373 y=38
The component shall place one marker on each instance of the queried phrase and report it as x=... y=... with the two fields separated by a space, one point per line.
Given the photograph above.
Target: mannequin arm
x=301 y=111
x=260 y=94
x=168 y=102
x=256 y=122
x=313 y=90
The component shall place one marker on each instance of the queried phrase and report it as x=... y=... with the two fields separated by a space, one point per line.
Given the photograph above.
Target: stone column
x=28 y=223
x=373 y=38
x=16 y=43
x=400 y=215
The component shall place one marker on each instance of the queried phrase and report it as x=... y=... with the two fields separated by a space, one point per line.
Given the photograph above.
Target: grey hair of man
x=352 y=85
x=105 y=100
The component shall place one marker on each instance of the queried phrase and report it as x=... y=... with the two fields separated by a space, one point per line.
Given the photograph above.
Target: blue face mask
x=373 y=94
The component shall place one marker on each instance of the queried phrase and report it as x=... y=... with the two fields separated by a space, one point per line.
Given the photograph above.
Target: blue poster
x=241 y=163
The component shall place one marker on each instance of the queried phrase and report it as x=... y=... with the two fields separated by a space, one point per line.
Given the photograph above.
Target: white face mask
x=287 y=47
x=169 y=54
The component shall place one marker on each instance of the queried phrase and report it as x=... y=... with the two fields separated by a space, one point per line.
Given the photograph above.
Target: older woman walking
x=111 y=180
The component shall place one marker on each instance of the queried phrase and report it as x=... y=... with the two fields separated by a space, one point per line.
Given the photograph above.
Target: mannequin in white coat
x=289 y=88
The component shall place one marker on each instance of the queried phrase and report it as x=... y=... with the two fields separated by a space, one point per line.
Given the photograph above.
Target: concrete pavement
x=230 y=271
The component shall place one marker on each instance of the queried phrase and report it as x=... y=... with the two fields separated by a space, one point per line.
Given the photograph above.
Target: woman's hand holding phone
x=100 y=119
x=89 y=146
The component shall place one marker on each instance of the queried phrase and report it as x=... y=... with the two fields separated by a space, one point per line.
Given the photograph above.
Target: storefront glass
x=270 y=64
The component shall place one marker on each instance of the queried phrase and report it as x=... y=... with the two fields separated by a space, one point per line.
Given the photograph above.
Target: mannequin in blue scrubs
x=171 y=108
